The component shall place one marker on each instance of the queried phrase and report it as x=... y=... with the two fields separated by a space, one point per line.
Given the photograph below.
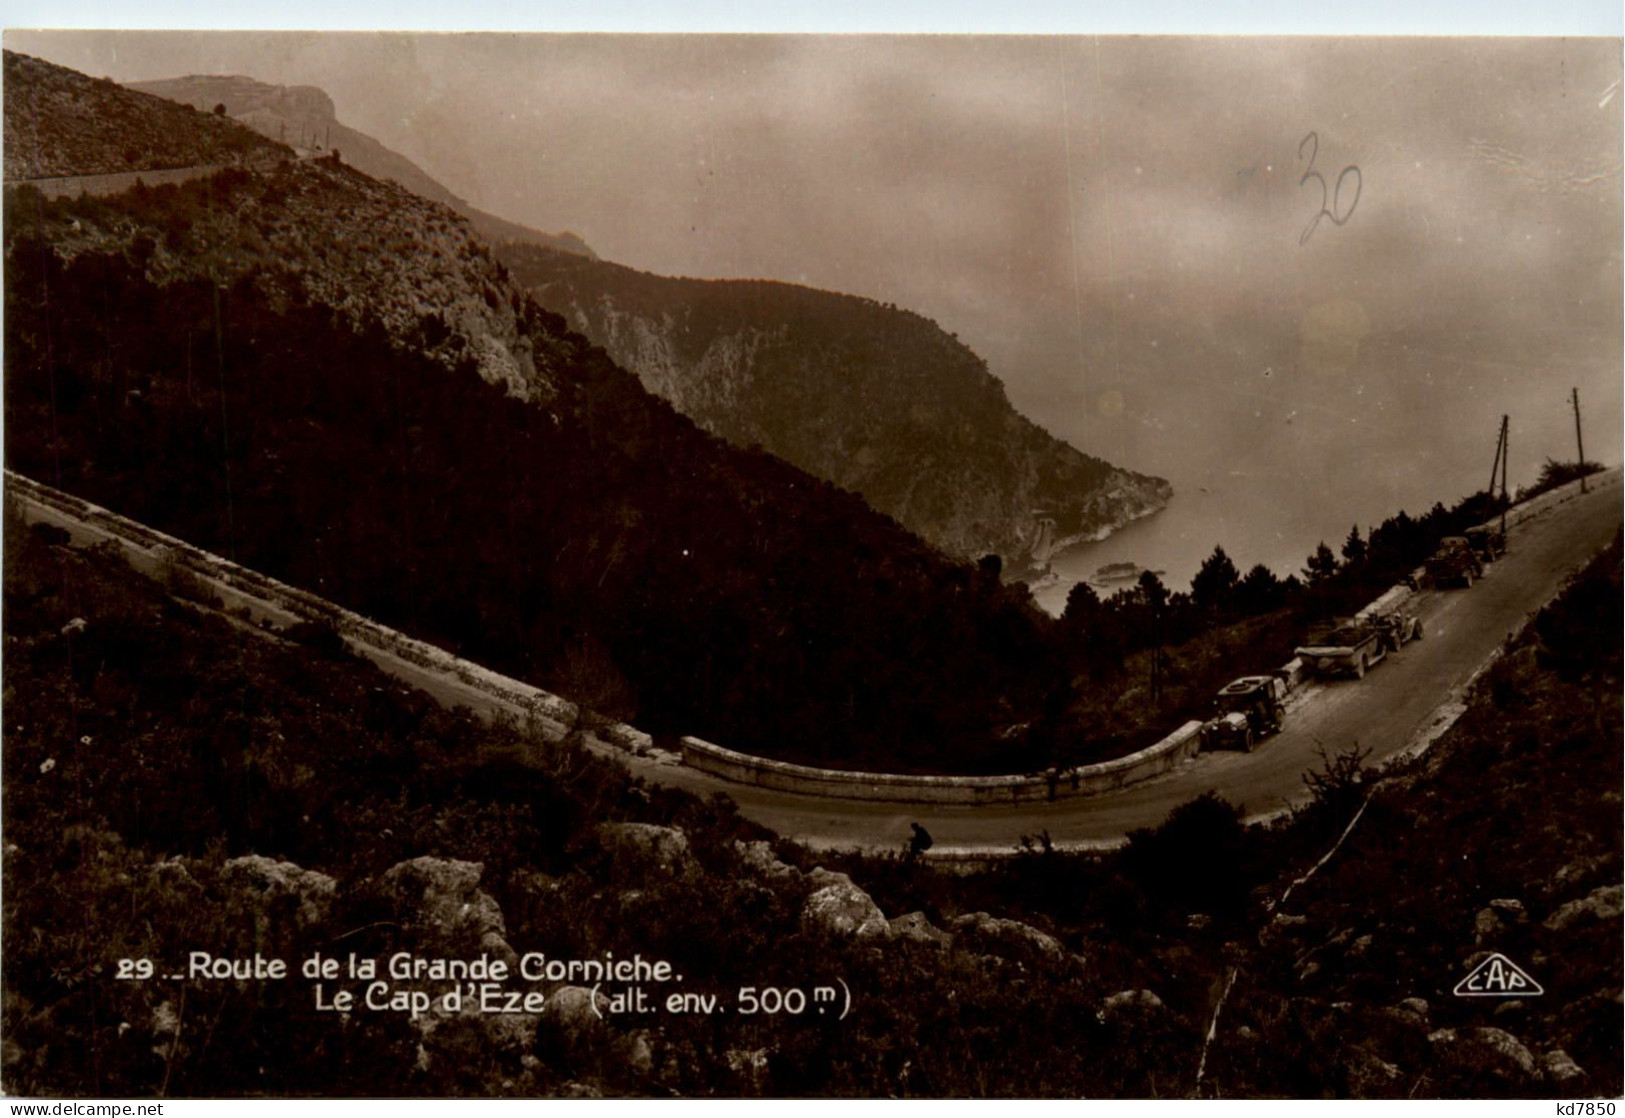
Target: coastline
x=1043 y=577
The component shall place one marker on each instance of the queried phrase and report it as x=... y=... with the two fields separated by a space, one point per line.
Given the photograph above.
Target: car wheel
x=1416 y=631
x=1359 y=667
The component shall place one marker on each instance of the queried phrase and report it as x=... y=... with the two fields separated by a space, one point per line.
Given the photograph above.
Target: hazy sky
x=1115 y=224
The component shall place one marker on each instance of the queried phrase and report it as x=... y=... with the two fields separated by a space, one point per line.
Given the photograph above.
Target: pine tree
x=1354 y=548
x=1214 y=587
x=1322 y=565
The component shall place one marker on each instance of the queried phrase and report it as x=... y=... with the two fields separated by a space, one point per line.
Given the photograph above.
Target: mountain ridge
x=306 y=117
x=875 y=398
x=947 y=456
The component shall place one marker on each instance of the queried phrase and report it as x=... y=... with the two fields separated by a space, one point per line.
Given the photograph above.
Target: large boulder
x=640 y=848
x=840 y=909
x=1495 y=919
x=1509 y=909
x=1602 y=904
x=916 y=927
x=1130 y=1005
x=984 y=934
x=575 y=1033
x=442 y=909
x=1490 y=1060
x=509 y=1033
x=1575 y=874
x=640 y=1051
x=452 y=1041
x=173 y=874
x=1367 y=1075
x=571 y=1010
x=1562 y=1071
x=280 y=890
x=1408 y=1019
x=440 y=899
x=1396 y=1033
x=759 y=857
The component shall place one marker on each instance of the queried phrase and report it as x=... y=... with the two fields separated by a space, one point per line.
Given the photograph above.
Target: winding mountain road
x=1393 y=709
x=1396 y=708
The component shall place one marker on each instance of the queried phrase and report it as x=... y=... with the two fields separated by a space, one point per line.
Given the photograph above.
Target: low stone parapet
x=1083 y=780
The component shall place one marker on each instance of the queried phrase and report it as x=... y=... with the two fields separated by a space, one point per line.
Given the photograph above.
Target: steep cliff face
x=242 y=96
x=305 y=117
x=873 y=398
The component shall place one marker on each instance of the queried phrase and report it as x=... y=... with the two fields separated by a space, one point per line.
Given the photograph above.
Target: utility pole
x=1156 y=662
x=1506 y=449
x=1500 y=444
x=1580 y=442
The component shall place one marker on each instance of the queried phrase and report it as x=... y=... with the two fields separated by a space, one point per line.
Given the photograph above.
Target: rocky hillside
x=59 y=122
x=873 y=398
x=305 y=117
x=310 y=230
x=319 y=231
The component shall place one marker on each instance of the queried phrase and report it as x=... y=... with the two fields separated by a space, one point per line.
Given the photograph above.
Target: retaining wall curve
x=1083 y=780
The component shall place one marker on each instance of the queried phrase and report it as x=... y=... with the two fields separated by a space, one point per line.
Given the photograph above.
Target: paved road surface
x=1387 y=712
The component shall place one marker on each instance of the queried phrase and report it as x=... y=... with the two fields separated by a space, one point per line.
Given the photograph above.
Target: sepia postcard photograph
x=795 y=566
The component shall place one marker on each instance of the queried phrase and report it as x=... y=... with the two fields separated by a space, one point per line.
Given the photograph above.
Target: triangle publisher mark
x=1498 y=977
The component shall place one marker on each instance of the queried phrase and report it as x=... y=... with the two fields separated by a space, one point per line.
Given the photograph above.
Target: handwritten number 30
x=1334 y=195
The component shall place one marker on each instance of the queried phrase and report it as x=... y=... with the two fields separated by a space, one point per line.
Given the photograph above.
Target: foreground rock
x=1493 y=1060
x=915 y=926
x=1130 y=1003
x=572 y=1009
x=640 y=848
x=286 y=899
x=1005 y=939
x=839 y=909
x=1497 y=918
x=1561 y=1070
x=1368 y=1076
x=440 y=899
x=1601 y=905
x=759 y=857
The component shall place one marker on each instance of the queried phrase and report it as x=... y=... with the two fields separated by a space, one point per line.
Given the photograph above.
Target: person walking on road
x=920 y=843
